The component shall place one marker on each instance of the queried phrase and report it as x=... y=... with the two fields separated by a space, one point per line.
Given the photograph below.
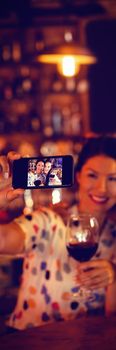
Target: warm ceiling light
x=68 y=57
x=68 y=66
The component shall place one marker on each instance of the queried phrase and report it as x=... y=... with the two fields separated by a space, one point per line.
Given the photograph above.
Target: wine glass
x=82 y=239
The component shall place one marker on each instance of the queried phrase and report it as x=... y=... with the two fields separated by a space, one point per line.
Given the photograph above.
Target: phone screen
x=43 y=172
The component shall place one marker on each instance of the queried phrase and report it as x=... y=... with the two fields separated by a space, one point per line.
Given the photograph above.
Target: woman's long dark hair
x=105 y=145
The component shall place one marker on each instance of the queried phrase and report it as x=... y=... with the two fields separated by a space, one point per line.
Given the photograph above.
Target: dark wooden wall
x=101 y=38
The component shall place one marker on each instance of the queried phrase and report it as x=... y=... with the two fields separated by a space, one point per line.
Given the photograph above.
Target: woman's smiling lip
x=98 y=199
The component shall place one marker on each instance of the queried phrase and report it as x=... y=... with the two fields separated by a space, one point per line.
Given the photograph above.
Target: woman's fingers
x=13 y=194
x=5 y=183
x=11 y=156
x=4 y=168
x=5 y=163
x=98 y=282
x=8 y=194
x=92 y=264
x=97 y=273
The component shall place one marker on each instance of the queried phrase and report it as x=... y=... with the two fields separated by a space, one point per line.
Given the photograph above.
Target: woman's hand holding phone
x=7 y=193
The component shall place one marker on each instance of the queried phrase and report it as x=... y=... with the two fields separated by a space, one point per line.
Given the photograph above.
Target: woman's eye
x=92 y=175
x=111 y=178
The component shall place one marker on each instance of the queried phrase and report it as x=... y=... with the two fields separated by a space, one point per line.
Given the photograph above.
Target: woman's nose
x=102 y=185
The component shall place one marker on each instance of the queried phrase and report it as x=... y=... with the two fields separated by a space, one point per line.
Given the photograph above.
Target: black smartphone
x=43 y=172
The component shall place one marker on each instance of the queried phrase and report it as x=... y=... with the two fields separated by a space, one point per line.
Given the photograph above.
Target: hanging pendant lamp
x=68 y=58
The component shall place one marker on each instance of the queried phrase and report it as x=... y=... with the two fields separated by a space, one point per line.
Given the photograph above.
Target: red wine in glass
x=82 y=239
x=82 y=251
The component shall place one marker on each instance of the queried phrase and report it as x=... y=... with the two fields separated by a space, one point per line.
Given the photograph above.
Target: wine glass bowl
x=82 y=243
x=82 y=237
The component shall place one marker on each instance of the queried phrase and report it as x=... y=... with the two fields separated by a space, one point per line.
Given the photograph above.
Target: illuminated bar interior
x=57 y=87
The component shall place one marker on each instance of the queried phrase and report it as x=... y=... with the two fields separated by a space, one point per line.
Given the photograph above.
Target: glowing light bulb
x=68 y=66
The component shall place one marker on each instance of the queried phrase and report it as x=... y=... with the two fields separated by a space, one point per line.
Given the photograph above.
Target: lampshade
x=69 y=55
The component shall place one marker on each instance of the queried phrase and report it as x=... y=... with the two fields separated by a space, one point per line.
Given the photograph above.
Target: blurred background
x=45 y=109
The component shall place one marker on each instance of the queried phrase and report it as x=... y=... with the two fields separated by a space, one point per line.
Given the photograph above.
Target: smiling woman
x=97 y=182
x=50 y=275
x=96 y=176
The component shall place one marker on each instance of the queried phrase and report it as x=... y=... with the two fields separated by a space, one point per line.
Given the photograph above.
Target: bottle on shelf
x=6 y=52
x=76 y=124
x=57 y=84
x=16 y=51
x=57 y=120
x=34 y=121
x=66 y=113
x=7 y=91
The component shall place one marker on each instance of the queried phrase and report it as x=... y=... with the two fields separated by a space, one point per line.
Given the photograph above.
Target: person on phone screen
x=53 y=179
x=49 y=277
x=31 y=173
x=40 y=178
x=47 y=168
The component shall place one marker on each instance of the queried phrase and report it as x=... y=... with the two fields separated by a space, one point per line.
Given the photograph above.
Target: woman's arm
x=11 y=239
x=11 y=235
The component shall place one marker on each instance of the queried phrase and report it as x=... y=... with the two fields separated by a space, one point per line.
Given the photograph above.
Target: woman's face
x=39 y=167
x=32 y=167
x=47 y=167
x=97 y=184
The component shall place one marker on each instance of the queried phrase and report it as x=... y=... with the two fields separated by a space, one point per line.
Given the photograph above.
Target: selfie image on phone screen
x=43 y=172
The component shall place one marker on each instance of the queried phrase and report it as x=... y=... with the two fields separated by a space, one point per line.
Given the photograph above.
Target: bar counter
x=98 y=333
